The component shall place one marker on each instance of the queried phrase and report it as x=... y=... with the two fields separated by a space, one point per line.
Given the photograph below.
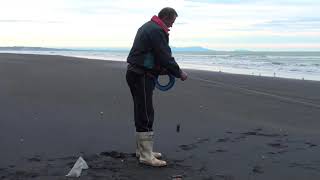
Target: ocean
x=293 y=65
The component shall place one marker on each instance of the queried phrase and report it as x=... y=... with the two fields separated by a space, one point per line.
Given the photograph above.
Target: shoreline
x=231 y=126
x=228 y=70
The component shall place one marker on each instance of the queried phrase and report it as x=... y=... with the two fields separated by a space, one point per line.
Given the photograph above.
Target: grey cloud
x=309 y=23
x=181 y=23
x=222 y=2
x=292 y=2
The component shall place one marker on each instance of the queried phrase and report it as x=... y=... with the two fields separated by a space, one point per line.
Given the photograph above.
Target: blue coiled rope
x=165 y=87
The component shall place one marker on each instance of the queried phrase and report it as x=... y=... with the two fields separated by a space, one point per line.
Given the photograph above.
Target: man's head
x=168 y=16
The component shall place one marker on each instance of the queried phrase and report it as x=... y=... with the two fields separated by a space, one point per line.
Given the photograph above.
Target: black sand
x=54 y=109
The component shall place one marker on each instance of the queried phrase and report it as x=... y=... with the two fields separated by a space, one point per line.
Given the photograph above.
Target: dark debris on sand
x=115 y=165
x=112 y=165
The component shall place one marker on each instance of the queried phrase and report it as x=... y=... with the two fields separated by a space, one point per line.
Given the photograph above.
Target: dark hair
x=167 y=12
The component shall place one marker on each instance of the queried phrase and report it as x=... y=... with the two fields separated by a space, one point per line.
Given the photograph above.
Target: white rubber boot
x=145 y=141
x=155 y=154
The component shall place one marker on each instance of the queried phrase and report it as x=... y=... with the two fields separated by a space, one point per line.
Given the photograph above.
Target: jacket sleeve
x=162 y=52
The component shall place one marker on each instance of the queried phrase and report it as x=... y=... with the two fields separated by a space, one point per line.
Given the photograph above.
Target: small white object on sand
x=77 y=168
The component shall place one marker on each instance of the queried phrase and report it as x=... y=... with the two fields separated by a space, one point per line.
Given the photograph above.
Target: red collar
x=159 y=22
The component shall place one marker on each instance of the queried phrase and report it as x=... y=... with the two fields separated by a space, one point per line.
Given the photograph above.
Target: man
x=149 y=57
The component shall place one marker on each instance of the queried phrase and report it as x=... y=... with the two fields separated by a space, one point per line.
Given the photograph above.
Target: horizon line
x=203 y=49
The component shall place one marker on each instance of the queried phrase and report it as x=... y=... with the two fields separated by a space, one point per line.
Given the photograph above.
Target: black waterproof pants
x=141 y=87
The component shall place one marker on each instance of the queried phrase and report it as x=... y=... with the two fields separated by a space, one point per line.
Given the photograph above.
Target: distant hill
x=190 y=49
x=241 y=50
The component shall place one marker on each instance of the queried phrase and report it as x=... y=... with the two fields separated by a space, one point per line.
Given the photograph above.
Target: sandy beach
x=54 y=109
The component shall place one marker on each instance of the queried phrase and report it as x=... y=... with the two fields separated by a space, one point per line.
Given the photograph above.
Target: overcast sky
x=214 y=24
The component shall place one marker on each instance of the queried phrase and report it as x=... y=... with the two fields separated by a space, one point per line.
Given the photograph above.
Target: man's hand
x=184 y=75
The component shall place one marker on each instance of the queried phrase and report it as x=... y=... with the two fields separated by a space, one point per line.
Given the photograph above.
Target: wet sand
x=54 y=109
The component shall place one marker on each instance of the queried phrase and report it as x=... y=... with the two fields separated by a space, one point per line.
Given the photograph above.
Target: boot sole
x=158 y=157
x=152 y=165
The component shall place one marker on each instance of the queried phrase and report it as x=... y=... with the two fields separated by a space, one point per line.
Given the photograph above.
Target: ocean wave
x=291 y=66
x=277 y=63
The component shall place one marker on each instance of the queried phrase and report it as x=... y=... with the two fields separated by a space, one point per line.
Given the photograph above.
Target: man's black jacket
x=151 y=52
